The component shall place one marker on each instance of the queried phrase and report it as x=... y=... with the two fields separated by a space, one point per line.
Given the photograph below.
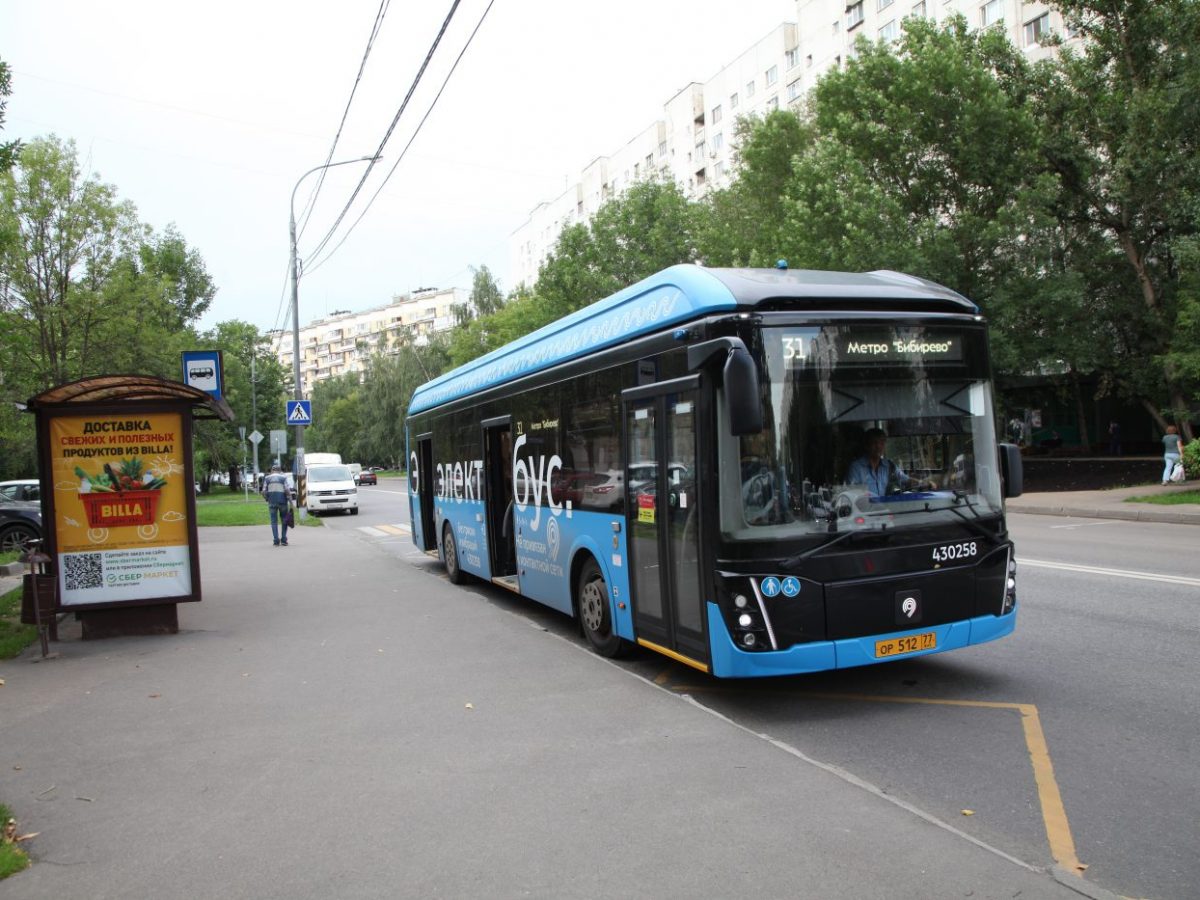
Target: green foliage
x=746 y=223
x=85 y=288
x=8 y=150
x=387 y=388
x=337 y=422
x=14 y=637
x=1120 y=130
x=256 y=387
x=650 y=227
x=1191 y=458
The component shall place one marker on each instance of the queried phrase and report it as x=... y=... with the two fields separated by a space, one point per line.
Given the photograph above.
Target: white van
x=317 y=459
x=330 y=486
x=355 y=470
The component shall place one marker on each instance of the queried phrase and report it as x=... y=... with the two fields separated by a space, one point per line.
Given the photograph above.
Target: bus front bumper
x=730 y=661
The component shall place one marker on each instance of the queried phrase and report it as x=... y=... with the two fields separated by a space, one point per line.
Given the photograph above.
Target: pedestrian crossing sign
x=299 y=412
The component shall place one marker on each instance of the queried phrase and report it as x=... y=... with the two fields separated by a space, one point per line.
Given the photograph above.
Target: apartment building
x=693 y=143
x=344 y=341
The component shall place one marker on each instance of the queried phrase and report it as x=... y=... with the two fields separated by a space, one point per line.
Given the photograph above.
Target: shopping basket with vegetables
x=121 y=494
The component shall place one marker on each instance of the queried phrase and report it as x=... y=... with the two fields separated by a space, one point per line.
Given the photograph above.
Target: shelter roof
x=100 y=389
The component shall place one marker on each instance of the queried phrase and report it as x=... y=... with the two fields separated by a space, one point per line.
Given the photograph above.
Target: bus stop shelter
x=118 y=502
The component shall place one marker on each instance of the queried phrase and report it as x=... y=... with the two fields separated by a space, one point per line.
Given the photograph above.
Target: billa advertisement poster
x=120 y=507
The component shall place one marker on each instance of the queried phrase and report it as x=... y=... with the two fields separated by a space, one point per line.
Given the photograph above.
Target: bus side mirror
x=740 y=378
x=1012 y=470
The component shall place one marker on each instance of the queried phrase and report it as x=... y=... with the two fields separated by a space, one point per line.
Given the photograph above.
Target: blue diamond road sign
x=299 y=412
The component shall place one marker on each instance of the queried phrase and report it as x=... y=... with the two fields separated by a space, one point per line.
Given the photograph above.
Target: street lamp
x=296 y=292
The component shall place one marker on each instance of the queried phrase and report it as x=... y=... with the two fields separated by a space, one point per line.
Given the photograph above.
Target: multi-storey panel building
x=343 y=342
x=693 y=142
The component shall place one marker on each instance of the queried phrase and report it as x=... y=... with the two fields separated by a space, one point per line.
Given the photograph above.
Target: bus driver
x=881 y=475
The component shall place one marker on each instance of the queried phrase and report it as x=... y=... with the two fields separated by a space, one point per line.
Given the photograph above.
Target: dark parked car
x=366 y=476
x=23 y=489
x=19 y=524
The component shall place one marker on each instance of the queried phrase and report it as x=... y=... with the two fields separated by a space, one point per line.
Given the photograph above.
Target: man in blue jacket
x=275 y=490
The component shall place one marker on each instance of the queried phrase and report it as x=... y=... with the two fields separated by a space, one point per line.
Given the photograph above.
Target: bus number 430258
x=949 y=552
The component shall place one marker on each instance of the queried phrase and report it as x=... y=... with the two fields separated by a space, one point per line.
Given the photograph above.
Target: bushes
x=1191 y=458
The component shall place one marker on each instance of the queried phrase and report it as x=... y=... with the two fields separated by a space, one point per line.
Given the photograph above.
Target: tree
x=255 y=387
x=1121 y=131
x=748 y=218
x=388 y=385
x=8 y=150
x=180 y=273
x=66 y=232
x=650 y=227
x=337 y=421
x=919 y=158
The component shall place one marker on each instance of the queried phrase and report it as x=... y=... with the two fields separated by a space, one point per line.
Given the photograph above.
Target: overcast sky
x=205 y=115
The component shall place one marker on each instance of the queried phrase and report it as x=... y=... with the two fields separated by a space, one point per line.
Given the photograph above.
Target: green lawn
x=12 y=857
x=1173 y=499
x=14 y=637
x=222 y=507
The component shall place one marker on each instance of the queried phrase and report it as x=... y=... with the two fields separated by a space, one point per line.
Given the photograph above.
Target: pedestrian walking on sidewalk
x=1114 y=438
x=275 y=491
x=1172 y=452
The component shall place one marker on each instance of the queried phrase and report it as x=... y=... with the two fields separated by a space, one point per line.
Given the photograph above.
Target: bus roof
x=675 y=295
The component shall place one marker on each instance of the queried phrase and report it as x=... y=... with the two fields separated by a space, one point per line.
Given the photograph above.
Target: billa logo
x=129 y=508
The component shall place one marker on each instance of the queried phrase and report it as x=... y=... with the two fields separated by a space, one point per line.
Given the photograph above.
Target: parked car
x=20 y=522
x=23 y=489
x=366 y=476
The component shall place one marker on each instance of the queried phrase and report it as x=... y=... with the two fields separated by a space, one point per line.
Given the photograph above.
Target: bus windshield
x=866 y=427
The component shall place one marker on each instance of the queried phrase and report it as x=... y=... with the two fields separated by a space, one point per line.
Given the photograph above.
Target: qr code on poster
x=83 y=570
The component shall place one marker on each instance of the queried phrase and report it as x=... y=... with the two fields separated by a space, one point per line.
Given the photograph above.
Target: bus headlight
x=1010 y=588
x=744 y=613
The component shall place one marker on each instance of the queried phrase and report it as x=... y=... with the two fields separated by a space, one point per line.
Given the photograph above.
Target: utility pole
x=299 y=391
x=254 y=407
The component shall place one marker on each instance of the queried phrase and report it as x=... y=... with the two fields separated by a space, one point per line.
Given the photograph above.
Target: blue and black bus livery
x=673 y=466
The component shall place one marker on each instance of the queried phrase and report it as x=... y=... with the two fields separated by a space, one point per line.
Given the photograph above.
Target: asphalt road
x=1071 y=742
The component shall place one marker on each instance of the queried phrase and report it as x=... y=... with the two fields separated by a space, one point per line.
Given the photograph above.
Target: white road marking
x=1114 y=573
x=383 y=531
x=1087 y=525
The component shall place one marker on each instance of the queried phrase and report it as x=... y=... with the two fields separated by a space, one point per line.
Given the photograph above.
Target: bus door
x=420 y=488
x=497 y=463
x=663 y=517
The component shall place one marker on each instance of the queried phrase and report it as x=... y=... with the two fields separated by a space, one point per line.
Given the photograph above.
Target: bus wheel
x=595 y=615
x=450 y=556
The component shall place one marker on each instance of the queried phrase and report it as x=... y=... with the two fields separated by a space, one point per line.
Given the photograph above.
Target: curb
x=1075 y=882
x=12 y=568
x=1129 y=515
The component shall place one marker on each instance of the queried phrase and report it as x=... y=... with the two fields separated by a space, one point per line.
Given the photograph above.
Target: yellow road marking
x=1054 y=814
x=678 y=657
x=391 y=529
x=663 y=677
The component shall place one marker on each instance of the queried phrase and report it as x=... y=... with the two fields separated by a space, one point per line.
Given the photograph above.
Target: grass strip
x=1175 y=498
x=14 y=637
x=12 y=858
x=225 y=507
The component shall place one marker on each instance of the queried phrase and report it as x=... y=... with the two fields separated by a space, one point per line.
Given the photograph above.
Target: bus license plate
x=910 y=644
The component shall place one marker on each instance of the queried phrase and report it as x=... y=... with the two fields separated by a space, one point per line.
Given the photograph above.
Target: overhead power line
x=391 y=128
x=417 y=131
x=311 y=203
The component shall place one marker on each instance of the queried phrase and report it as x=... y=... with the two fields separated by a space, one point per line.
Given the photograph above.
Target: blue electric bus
x=752 y=471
